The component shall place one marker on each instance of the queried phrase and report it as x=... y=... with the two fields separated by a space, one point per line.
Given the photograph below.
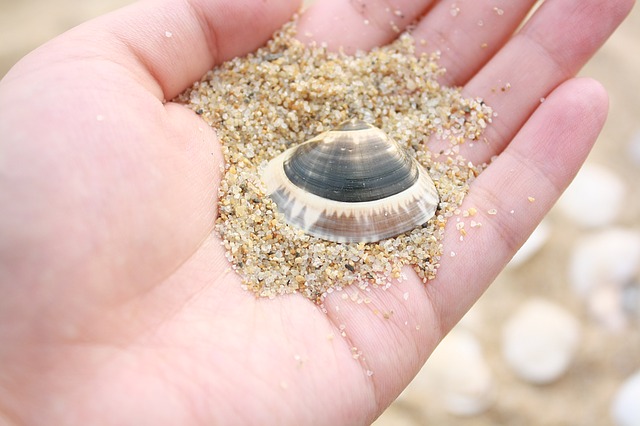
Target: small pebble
x=625 y=408
x=540 y=340
x=594 y=198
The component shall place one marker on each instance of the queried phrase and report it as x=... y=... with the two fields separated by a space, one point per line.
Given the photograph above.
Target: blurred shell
x=540 y=341
x=594 y=185
x=351 y=184
x=625 y=409
x=534 y=243
x=603 y=270
x=457 y=377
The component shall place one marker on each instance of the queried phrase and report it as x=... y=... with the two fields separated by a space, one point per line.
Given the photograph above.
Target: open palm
x=117 y=305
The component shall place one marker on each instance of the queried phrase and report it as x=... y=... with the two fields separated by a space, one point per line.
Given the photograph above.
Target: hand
x=118 y=305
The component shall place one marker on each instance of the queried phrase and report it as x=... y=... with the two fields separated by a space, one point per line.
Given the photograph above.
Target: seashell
x=625 y=409
x=594 y=184
x=533 y=245
x=456 y=377
x=603 y=271
x=540 y=341
x=351 y=184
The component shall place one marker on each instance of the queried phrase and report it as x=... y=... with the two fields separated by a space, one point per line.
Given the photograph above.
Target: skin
x=117 y=303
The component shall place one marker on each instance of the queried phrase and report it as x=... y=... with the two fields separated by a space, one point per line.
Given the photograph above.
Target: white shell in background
x=625 y=408
x=351 y=184
x=603 y=270
x=540 y=340
x=395 y=416
x=594 y=198
x=533 y=244
x=634 y=148
x=456 y=376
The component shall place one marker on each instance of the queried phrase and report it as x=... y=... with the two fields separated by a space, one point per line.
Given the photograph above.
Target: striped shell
x=351 y=184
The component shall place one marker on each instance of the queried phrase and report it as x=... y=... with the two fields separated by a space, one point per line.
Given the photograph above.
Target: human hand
x=117 y=305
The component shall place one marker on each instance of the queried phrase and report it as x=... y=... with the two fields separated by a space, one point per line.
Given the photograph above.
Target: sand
x=286 y=93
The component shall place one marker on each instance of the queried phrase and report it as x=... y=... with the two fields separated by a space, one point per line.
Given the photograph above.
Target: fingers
x=396 y=329
x=514 y=73
x=515 y=192
x=358 y=24
x=467 y=33
x=553 y=46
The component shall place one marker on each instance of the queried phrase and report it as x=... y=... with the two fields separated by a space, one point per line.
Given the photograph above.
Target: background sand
x=605 y=358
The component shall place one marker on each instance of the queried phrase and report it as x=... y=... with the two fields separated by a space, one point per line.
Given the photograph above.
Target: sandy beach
x=608 y=347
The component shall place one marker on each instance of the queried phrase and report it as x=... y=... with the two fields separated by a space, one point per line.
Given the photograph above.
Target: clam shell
x=351 y=184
